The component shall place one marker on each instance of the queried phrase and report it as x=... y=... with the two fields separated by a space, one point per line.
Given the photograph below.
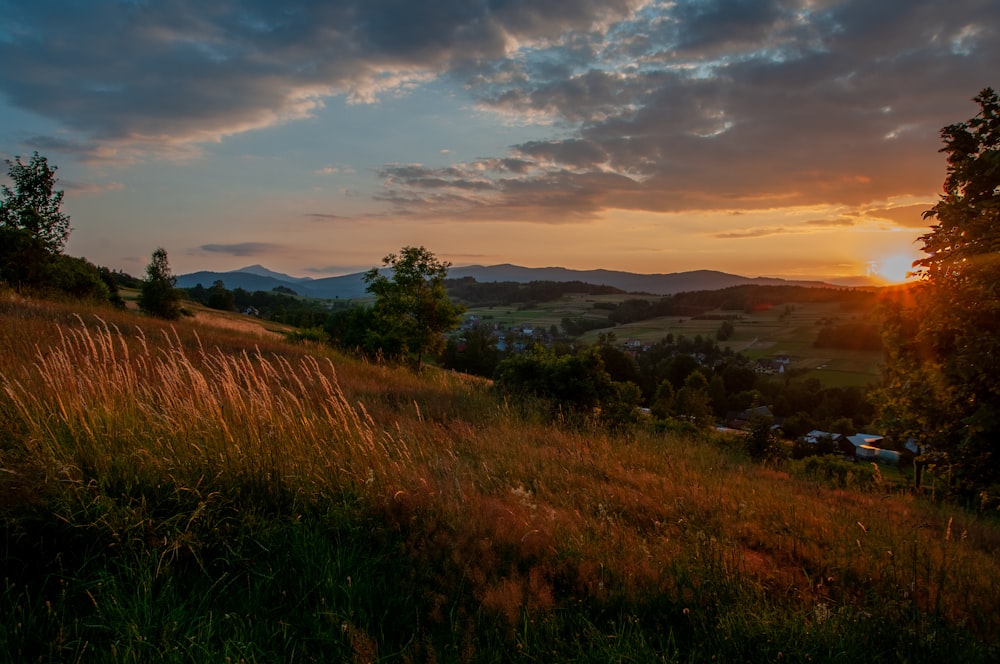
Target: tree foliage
x=32 y=205
x=942 y=338
x=158 y=296
x=219 y=297
x=475 y=352
x=33 y=231
x=412 y=308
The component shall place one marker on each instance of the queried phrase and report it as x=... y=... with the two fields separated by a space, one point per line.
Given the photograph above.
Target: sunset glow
x=893 y=269
x=769 y=138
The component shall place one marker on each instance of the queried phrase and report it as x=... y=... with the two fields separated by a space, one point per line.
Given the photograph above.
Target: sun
x=893 y=269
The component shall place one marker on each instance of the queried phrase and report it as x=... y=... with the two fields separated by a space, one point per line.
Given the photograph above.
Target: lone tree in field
x=941 y=386
x=32 y=206
x=158 y=297
x=412 y=309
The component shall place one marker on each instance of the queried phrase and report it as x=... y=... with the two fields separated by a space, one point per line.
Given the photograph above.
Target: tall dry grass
x=521 y=518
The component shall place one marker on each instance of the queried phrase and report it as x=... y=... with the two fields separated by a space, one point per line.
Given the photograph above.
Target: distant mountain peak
x=262 y=271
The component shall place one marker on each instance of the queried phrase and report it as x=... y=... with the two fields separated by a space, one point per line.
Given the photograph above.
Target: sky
x=792 y=138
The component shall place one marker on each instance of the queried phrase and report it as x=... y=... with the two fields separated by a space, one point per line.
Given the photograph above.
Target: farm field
x=789 y=329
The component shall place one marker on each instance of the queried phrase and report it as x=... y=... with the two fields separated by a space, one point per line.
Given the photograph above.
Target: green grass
x=189 y=493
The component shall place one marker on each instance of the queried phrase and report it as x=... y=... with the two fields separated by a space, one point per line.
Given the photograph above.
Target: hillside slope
x=185 y=492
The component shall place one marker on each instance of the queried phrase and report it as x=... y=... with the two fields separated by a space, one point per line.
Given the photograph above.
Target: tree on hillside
x=940 y=384
x=32 y=205
x=158 y=296
x=412 y=308
x=219 y=297
x=692 y=401
x=474 y=353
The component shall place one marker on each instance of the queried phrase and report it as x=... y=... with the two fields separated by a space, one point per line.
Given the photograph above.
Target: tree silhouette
x=940 y=384
x=158 y=296
x=412 y=308
x=32 y=205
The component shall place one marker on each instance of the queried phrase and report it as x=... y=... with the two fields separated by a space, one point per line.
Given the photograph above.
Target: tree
x=475 y=353
x=158 y=296
x=761 y=441
x=692 y=401
x=574 y=384
x=32 y=205
x=940 y=386
x=24 y=259
x=412 y=309
x=725 y=330
x=220 y=298
x=663 y=402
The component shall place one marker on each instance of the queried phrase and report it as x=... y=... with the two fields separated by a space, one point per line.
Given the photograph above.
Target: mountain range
x=349 y=286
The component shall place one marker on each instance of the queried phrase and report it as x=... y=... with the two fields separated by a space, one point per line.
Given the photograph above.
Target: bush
x=315 y=335
x=838 y=472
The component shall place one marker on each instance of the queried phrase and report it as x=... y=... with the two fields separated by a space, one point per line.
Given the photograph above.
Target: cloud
x=709 y=105
x=752 y=233
x=842 y=221
x=90 y=187
x=181 y=72
x=643 y=106
x=805 y=227
x=242 y=248
x=907 y=216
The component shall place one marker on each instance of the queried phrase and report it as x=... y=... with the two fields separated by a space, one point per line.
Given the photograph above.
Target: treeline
x=277 y=305
x=33 y=233
x=27 y=265
x=577 y=327
x=690 y=381
x=473 y=293
x=746 y=298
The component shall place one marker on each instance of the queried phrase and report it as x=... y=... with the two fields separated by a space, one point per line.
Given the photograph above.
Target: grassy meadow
x=192 y=492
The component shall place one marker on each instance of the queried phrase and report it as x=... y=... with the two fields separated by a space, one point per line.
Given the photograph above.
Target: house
x=889 y=456
x=742 y=420
x=766 y=366
x=866 y=453
x=828 y=442
x=866 y=448
x=862 y=439
x=815 y=437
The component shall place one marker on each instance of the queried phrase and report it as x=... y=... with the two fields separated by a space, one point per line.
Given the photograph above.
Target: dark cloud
x=242 y=248
x=761 y=104
x=709 y=26
x=172 y=70
x=693 y=104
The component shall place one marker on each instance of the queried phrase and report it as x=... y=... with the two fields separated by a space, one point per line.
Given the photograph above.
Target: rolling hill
x=352 y=285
